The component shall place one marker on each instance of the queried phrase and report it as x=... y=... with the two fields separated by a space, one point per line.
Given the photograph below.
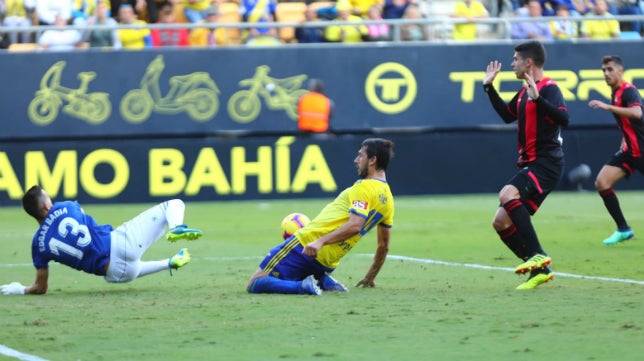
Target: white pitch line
x=9 y=352
x=479 y=266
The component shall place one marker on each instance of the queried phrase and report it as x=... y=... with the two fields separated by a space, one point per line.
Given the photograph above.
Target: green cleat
x=180 y=259
x=619 y=236
x=182 y=232
x=536 y=261
x=536 y=280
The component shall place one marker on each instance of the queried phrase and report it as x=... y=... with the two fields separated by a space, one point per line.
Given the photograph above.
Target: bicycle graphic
x=195 y=93
x=279 y=94
x=94 y=108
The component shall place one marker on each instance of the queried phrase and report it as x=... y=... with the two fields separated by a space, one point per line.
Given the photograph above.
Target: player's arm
x=551 y=101
x=346 y=231
x=498 y=104
x=379 y=258
x=39 y=286
x=630 y=97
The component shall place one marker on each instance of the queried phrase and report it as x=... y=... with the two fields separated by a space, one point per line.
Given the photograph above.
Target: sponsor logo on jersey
x=360 y=204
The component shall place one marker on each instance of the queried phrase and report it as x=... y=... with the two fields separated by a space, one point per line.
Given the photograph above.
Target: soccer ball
x=293 y=222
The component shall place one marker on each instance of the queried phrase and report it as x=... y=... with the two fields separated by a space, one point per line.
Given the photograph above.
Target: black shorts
x=535 y=181
x=627 y=162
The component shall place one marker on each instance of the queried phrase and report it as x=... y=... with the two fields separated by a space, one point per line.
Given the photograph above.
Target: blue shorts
x=287 y=262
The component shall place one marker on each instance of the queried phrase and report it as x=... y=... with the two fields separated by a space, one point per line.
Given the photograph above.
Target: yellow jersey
x=370 y=199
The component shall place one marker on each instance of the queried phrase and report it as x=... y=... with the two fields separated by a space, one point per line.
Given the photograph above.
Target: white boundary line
x=6 y=351
x=478 y=266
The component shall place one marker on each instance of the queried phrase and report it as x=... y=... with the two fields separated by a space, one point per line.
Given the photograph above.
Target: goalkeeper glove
x=13 y=288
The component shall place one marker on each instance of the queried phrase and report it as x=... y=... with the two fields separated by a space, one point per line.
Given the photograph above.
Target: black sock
x=521 y=218
x=510 y=236
x=612 y=205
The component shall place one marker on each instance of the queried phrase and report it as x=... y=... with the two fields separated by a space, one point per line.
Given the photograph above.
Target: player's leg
x=519 y=214
x=606 y=179
x=509 y=234
x=284 y=270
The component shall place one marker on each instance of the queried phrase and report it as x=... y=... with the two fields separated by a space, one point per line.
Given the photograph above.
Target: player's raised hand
x=533 y=93
x=493 y=68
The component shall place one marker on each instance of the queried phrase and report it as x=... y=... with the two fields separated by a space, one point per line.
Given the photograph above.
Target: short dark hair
x=382 y=149
x=33 y=201
x=614 y=58
x=316 y=85
x=534 y=50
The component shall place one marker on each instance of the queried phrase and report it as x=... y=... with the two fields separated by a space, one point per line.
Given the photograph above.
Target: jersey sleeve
x=631 y=97
x=38 y=257
x=359 y=199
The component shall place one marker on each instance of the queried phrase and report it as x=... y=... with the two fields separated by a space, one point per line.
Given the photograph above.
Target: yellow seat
x=289 y=12
x=19 y=47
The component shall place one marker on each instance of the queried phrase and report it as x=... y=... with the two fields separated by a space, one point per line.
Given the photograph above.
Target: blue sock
x=275 y=285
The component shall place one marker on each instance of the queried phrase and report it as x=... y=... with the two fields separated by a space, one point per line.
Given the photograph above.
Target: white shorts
x=130 y=240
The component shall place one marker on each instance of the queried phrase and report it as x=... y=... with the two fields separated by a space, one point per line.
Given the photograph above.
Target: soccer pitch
x=445 y=293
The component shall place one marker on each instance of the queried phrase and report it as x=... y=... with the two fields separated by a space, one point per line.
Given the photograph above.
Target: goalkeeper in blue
x=69 y=236
x=304 y=262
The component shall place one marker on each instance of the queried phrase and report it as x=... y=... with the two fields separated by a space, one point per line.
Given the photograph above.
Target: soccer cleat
x=310 y=286
x=329 y=283
x=182 y=232
x=180 y=259
x=536 y=280
x=536 y=261
x=619 y=236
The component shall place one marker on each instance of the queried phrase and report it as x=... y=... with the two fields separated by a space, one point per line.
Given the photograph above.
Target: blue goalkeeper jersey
x=73 y=238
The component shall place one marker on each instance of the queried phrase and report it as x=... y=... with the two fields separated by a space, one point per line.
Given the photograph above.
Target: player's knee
x=508 y=193
x=176 y=204
x=601 y=184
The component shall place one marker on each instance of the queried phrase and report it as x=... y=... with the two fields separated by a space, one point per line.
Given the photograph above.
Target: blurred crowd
x=78 y=22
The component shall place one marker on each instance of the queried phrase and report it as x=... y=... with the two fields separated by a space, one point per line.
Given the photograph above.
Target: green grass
x=418 y=311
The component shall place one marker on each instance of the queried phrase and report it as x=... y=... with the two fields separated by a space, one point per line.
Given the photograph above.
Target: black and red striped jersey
x=627 y=96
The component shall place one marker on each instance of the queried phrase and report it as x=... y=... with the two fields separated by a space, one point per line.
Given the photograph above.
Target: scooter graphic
x=194 y=93
x=280 y=94
x=94 y=108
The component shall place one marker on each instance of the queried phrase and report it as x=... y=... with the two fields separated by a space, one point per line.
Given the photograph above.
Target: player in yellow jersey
x=303 y=263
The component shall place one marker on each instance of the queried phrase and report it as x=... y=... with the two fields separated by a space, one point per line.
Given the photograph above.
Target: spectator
x=469 y=10
x=262 y=36
x=17 y=14
x=361 y=7
x=102 y=38
x=314 y=109
x=256 y=11
x=539 y=30
x=565 y=29
x=309 y=34
x=195 y=10
x=139 y=7
x=377 y=32
x=600 y=29
x=211 y=36
x=83 y=10
x=136 y=38
x=346 y=33
x=414 y=32
x=48 y=10
x=169 y=37
x=60 y=40
x=630 y=7
x=395 y=9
